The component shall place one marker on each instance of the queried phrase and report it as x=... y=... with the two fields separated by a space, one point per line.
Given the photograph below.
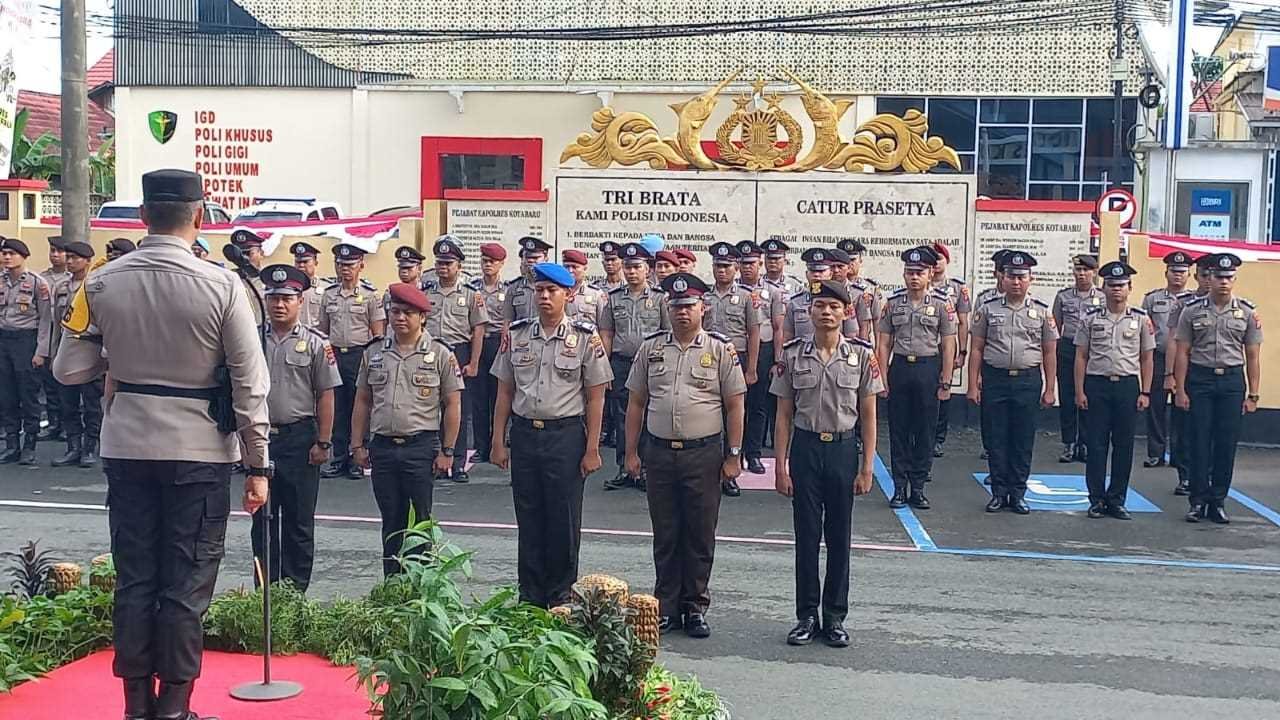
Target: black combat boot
x=174 y=702
x=139 y=698
x=75 y=449
x=89 y=455
x=13 y=450
x=28 y=456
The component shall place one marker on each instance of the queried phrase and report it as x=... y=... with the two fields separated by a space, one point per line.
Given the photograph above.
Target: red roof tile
x=102 y=72
x=1204 y=100
x=45 y=115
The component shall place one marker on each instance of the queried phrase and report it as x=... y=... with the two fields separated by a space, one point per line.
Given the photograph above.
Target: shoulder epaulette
x=1151 y=292
x=476 y=284
x=520 y=323
x=1039 y=302
x=1138 y=310
x=897 y=293
x=793 y=341
x=993 y=298
x=316 y=331
x=442 y=342
x=584 y=326
x=1096 y=310
x=859 y=341
x=655 y=334
x=512 y=282
x=796 y=295
x=957 y=281
x=871 y=282
x=368 y=285
x=942 y=293
x=1064 y=290
x=1247 y=303
x=1201 y=300
x=1185 y=295
x=722 y=338
x=618 y=289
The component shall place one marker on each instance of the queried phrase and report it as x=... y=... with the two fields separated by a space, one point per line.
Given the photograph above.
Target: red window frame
x=434 y=146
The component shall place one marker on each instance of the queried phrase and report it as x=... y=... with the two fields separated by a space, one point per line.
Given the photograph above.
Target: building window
x=1028 y=149
x=482 y=172
x=28 y=206
x=4 y=206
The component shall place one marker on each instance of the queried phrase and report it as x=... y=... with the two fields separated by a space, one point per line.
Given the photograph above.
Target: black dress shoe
x=730 y=488
x=834 y=635
x=1183 y=488
x=667 y=623
x=754 y=466
x=1020 y=506
x=918 y=501
x=996 y=504
x=1153 y=462
x=28 y=456
x=1097 y=510
x=1118 y=512
x=617 y=482
x=89 y=456
x=1196 y=513
x=479 y=458
x=1216 y=514
x=337 y=468
x=937 y=451
x=803 y=632
x=355 y=472
x=899 y=499
x=1068 y=454
x=173 y=702
x=695 y=626
x=460 y=477
x=72 y=457
x=1082 y=453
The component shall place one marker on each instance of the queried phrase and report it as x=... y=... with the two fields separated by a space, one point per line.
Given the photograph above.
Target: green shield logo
x=162 y=124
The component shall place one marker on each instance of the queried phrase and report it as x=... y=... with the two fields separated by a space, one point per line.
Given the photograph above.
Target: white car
x=287 y=209
x=214 y=214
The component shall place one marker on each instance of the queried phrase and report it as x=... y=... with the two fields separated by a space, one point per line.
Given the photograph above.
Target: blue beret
x=554 y=273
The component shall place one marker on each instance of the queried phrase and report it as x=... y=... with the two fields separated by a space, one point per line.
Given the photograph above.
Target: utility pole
x=75 y=125
x=1119 y=73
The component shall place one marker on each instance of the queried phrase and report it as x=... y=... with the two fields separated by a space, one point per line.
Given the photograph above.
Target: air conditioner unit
x=1203 y=126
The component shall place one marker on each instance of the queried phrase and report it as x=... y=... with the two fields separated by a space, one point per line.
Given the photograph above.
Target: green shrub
x=43 y=633
x=623 y=658
x=668 y=697
x=234 y=620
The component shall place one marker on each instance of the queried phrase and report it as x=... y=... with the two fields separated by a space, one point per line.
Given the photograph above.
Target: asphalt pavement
x=955 y=613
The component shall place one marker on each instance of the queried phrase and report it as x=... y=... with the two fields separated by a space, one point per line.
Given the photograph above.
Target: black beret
x=172 y=186
x=829 y=289
x=840 y=256
x=15 y=245
x=1088 y=261
x=121 y=245
x=57 y=243
x=79 y=249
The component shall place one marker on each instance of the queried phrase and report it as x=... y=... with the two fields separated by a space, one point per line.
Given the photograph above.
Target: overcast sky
x=38 y=68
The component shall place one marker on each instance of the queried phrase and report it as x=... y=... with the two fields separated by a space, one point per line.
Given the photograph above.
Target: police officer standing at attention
x=1114 y=346
x=862 y=290
x=730 y=310
x=81 y=404
x=775 y=267
x=1218 y=371
x=1069 y=306
x=119 y=247
x=1013 y=339
x=304 y=373
x=769 y=300
x=958 y=293
x=633 y=313
x=612 y=263
x=352 y=318
x=997 y=272
x=551 y=383
x=408 y=268
x=168 y=321
x=493 y=290
x=917 y=337
x=25 y=317
x=306 y=258
x=250 y=243
x=824 y=386
x=458 y=317
x=687 y=392
x=522 y=301
x=1179 y=433
x=796 y=322
x=1158 y=304
x=587 y=302
x=53 y=277
x=409 y=396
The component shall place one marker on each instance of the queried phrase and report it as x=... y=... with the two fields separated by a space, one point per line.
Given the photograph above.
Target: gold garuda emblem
x=759 y=135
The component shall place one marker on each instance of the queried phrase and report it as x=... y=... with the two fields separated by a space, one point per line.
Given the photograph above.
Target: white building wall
x=1206 y=164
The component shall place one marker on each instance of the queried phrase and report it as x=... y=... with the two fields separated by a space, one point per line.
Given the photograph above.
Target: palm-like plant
x=102 y=169
x=32 y=159
x=29 y=570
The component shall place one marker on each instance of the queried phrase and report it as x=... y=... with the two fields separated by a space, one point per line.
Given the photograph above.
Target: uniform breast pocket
x=659 y=380
x=379 y=378
x=426 y=383
x=331 y=309
x=848 y=377
x=298 y=361
x=524 y=366
x=929 y=321
x=704 y=378
x=997 y=320
x=1236 y=327
x=898 y=319
x=804 y=381
x=650 y=319
x=568 y=368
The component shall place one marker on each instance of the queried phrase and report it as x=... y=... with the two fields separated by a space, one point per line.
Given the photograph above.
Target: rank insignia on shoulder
x=521 y=323
x=584 y=326
x=718 y=336
x=793 y=342
x=655 y=334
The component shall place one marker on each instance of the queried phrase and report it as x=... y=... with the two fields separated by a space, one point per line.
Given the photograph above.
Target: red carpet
x=86 y=690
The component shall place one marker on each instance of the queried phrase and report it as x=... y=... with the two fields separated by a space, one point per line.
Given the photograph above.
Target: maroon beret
x=942 y=251
x=685 y=254
x=667 y=256
x=493 y=251
x=410 y=295
x=576 y=257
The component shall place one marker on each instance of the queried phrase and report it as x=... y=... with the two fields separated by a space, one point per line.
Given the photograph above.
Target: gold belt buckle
x=1115 y=378
x=1219 y=371
x=911 y=358
x=274 y=431
x=677 y=445
x=342 y=350
x=1014 y=373
x=398 y=440
x=827 y=437
x=538 y=424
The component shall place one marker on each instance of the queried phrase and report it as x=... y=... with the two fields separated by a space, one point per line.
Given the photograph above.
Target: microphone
x=236 y=257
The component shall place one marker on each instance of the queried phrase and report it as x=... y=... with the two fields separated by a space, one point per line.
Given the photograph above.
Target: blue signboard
x=1271 y=93
x=1211 y=201
x=1068 y=493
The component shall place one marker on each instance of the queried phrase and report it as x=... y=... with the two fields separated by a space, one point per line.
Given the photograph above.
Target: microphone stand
x=267 y=690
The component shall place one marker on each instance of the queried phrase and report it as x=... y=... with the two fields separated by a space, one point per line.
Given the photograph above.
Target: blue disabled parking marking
x=1068 y=493
x=910 y=523
x=1271 y=515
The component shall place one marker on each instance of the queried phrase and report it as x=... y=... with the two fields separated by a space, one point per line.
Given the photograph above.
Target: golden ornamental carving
x=751 y=138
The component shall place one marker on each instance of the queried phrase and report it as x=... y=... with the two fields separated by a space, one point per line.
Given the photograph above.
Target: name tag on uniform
x=706 y=360
x=301 y=346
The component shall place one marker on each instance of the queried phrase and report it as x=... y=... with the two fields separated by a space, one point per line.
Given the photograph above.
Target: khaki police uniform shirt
x=632 y=318
x=918 y=330
x=348 y=315
x=1069 y=307
x=53 y=279
x=769 y=300
x=796 y=322
x=1114 y=344
x=957 y=292
x=313 y=304
x=62 y=294
x=1015 y=335
x=588 y=304
x=731 y=313
x=686 y=386
x=1218 y=337
x=826 y=394
x=406 y=390
x=1179 y=304
x=521 y=302
x=551 y=371
x=865 y=291
x=1158 y=304
x=790 y=283
x=607 y=286
x=454 y=312
x=27 y=304
x=166 y=317
x=986 y=295
x=302 y=366
x=494 y=297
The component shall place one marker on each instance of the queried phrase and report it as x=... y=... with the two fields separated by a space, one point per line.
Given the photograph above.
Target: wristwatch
x=446 y=451
x=324 y=444
x=266 y=472
x=1145 y=394
x=735 y=451
x=1254 y=398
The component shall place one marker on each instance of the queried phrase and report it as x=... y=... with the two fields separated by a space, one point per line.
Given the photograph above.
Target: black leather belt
x=402 y=439
x=1011 y=372
x=1217 y=371
x=827 y=437
x=166 y=391
x=686 y=444
x=1112 y=378
x=18 y=333
x=285 y=428
x=547 y=424
x=915 y=358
